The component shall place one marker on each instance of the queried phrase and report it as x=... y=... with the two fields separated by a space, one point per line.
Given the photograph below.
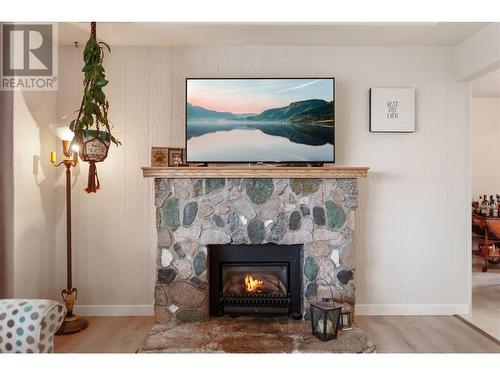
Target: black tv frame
x=259 y=161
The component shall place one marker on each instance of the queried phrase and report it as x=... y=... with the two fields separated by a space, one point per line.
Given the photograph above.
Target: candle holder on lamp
x=72 y=323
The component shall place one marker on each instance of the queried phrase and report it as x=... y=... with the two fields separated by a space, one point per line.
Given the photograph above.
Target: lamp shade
x=62 y=130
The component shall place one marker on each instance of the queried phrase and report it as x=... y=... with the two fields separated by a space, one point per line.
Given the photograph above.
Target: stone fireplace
x=193 y=213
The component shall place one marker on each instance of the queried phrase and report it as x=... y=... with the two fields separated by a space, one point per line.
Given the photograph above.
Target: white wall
x=479 y=54
x=485 y=142
x=114 y=235
x=34 y=196
x=413 y=247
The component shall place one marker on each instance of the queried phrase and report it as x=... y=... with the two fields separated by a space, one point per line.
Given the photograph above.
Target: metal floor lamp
x=72 y=323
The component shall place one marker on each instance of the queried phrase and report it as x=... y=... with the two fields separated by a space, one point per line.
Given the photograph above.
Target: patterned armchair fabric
x=28 y=326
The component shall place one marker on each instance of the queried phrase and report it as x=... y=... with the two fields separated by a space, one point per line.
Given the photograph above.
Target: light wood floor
x=485 y=298
x=107 y=334
x=424 y=334
x=391 y=334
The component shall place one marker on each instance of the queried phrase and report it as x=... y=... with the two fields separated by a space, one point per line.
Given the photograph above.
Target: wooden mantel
x=255 y=172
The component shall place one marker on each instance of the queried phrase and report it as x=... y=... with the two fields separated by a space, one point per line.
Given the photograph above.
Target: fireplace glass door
x=255 y=279
x=257 y=288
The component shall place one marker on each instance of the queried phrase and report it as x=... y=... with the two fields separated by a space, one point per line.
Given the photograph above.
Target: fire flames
x=251 y=284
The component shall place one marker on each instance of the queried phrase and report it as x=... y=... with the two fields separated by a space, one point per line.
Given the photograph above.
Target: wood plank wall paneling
x=34 y=208
x=411 y=288
x=111 y=252
x=435 y=178
x=412 y=244
x=7 y=195
x=137 y=193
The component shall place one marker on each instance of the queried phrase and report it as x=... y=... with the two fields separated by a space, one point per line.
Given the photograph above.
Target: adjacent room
x=263 y=187
x=485 y=137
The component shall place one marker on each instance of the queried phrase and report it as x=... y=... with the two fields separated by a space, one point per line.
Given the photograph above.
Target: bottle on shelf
x=485 y=208
x=475 y=205
x=491 y=205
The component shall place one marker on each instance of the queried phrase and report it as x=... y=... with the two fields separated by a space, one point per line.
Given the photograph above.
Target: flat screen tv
x=286 y=120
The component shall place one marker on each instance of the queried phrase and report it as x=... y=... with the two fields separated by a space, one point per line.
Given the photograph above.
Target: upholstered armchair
x=28 y=326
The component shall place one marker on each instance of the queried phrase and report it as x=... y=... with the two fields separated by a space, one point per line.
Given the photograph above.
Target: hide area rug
x=250 y=335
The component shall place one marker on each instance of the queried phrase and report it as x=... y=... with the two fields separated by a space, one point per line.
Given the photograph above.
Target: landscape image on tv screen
x=260 y=120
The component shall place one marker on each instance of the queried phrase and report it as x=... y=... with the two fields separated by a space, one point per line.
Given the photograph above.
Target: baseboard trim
x=361 y=309
x=413 y=309
x=114 y=310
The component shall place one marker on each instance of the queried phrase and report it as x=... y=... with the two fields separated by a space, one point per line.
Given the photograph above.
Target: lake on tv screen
x=254 y=145
x=260 y=120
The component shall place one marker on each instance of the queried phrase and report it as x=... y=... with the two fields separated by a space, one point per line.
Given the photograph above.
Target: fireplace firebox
x=255 y=280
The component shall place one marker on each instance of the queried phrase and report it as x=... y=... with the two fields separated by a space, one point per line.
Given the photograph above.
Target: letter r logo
x=27 y=50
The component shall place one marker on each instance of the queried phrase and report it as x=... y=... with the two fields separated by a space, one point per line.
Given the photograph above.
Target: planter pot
x=94 y=146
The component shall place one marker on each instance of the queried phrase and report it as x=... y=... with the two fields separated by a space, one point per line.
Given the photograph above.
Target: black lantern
x=325 y=317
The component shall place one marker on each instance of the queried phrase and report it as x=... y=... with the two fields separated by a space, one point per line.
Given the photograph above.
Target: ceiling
x=487 y=86
x=317 y=34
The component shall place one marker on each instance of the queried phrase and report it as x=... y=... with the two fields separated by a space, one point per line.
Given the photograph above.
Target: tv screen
x=260 y=120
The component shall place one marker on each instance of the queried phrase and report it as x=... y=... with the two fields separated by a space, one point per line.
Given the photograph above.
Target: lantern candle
x=52 y=156
x=321 y=324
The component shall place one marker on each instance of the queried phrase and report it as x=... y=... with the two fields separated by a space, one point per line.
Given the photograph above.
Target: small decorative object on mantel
x=159 y=156
x=325 y=317
x=392 y=110
x=91 y=127
x=176 y=157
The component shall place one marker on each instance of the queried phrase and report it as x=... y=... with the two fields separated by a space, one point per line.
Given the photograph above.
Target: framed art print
x=176 y=157
x=392 y=110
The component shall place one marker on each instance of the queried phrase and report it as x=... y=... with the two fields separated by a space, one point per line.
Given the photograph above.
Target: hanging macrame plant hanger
x=94 y=143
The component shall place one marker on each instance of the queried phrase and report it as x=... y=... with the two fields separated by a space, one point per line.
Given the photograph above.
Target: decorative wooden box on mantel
x=199 y=207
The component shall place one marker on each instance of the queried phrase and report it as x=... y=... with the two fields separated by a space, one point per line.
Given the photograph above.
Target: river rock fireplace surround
x=198 y=209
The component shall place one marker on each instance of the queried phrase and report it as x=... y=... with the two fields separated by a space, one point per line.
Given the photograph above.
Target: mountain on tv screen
x=260 y=120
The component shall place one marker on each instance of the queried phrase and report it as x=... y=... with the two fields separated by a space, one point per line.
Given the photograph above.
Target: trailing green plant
x=93 y=112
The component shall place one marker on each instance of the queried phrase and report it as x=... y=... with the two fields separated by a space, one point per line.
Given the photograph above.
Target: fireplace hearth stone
x=194 y=213
x=250 y=335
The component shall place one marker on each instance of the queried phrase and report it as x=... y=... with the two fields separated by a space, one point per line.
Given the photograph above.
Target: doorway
x=485 y=157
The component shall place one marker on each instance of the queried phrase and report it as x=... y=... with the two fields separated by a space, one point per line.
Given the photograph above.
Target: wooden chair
x=490 y=247
x=478 y=229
